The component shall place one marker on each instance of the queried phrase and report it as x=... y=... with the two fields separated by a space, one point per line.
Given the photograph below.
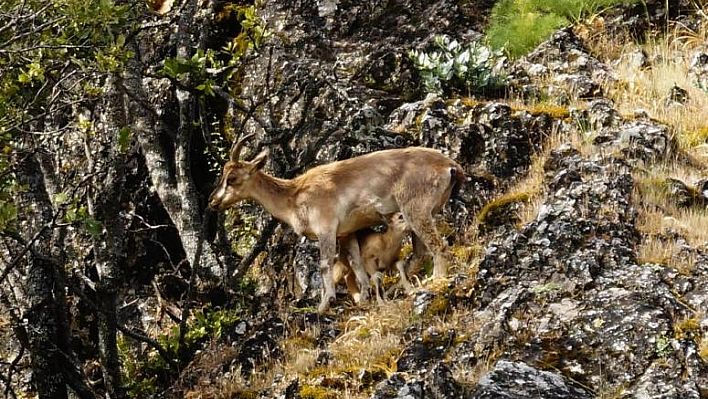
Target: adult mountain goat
x=329 y=203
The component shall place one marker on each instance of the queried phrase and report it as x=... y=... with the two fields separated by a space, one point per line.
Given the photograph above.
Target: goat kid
x=330 y=202
x=379 y=253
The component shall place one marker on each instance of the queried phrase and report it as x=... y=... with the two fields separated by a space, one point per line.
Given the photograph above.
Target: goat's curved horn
x=236 y=149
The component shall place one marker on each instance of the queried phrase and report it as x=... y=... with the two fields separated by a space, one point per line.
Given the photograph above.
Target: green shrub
x=518 y=26
x=456 y=68
x=145 y=372
x=519 y=34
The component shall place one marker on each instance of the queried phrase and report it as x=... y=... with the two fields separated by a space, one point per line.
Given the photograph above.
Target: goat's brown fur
x=332 y=201
x=379 y=254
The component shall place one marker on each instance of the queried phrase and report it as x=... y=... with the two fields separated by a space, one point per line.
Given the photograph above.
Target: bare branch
x=13 y=365
x=26 y=248
x=19 y=17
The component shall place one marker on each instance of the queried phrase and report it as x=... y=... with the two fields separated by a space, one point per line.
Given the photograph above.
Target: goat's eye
x=231 y=180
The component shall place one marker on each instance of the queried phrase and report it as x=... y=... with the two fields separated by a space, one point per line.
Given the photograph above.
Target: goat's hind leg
x=342 y=269
x=352 y=247
x=376 y=281
x=421 y=221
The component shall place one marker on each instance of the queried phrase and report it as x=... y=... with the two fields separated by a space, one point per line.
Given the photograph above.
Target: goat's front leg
x=401 y=266
x=328 y=254
x=352 y=247
x=376 y=280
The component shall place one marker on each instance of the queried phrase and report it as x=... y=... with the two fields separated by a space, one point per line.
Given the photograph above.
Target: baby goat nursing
x=329 y=203
x=379 y=253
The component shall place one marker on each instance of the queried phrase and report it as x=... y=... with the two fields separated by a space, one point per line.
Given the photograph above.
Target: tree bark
x=37 y=305
x=109 y=249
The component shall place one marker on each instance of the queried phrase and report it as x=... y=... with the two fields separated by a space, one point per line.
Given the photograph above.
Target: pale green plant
x=454 y=67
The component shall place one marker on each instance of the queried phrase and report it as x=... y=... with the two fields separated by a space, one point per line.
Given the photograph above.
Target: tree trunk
x=169 y=163
x=37 y=304
x=109 y=249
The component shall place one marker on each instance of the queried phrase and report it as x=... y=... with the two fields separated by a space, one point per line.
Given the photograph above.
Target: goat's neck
x=275 y=195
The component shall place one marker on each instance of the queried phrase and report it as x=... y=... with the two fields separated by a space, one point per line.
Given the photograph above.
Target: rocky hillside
x=580 y=237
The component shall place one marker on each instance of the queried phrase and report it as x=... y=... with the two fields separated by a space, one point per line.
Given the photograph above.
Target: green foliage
x=55 y=57
x=205 y=323
x=210 y=323
x=456 y=68
x=178 y=66
x=141 y=371
x=78 y=215
x=65 y=35
x=518 y=26
x=252 y=30
x=663 y=346
x=211 y=68
x=522 y=33
x=124 y=135
x=8 y=211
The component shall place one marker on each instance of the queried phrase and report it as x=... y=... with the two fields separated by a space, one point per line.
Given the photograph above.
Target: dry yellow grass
x=658 y=213
x=370 y=342
x=372 y=334
x=648 y=88
x=703 y=348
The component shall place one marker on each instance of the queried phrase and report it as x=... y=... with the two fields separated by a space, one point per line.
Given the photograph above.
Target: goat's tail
x=457 y=178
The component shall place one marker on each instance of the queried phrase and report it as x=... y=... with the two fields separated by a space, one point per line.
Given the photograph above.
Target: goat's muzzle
x=215 y=202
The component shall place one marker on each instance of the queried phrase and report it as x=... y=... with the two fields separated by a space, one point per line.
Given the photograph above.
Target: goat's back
x=381 y=172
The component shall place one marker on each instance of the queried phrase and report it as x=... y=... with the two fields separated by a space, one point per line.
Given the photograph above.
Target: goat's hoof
x=325 y=304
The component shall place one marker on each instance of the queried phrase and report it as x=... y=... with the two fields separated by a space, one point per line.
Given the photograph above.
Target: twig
x=8 y=381
x=27 y=247
x=149 y=226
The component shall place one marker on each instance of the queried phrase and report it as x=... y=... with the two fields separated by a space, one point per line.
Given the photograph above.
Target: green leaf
x=8 y=214
x=93 y=226
x=207 y=87
x=174 y=67
x=70 y=215
x=61 y=199
x=124 y=139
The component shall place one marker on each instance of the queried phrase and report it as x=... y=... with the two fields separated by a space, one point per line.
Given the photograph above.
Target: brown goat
x=330 y=202
x=379 y=254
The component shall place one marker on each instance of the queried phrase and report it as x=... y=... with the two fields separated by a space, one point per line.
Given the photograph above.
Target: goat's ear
x=259 y=160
